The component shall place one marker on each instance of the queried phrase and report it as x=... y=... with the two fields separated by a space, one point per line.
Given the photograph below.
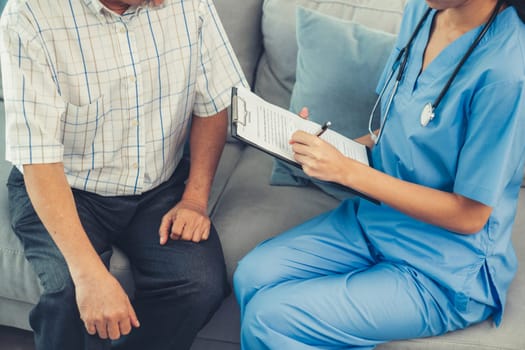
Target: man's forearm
x=53 y=201
x=207 y=139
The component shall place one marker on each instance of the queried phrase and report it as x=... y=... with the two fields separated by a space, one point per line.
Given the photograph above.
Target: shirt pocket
x=82 y=135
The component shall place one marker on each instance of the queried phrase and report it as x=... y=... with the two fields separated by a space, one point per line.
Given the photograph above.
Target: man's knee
x=210 y=289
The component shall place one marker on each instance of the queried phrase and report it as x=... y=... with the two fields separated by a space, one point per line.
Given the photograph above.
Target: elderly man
x=101 y=97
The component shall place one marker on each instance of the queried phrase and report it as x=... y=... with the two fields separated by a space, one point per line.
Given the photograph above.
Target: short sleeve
x=33 y=105
x=494 y=143
x=218 y=67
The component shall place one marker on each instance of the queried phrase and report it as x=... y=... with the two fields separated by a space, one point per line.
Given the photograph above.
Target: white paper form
x=270 y=127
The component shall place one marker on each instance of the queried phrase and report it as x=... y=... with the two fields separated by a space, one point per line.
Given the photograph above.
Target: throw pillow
x=338 y=66
x=277 y=66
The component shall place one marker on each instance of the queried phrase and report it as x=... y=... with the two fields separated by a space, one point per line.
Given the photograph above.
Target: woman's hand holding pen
x=318 y=158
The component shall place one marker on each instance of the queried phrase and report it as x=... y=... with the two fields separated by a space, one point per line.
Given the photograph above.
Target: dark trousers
x=177 y=286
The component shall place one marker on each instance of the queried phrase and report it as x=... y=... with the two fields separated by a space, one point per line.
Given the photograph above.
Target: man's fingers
x=101 y=329
x=124 y=326
x=196 y=231
x=90 y=328
x=165 y=230
x=202 y=235
x=133 y=316
x=177 y=228
x=189 y=224
x=188 y=231
x=113 y=330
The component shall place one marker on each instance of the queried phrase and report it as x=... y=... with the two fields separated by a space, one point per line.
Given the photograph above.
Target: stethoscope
x=427 y=114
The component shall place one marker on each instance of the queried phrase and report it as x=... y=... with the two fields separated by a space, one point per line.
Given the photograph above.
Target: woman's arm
x=447 y=210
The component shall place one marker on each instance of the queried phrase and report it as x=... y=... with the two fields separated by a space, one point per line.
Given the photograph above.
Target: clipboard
x=241 y=117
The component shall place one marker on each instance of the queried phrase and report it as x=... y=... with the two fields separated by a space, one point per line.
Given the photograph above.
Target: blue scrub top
x=475 y=146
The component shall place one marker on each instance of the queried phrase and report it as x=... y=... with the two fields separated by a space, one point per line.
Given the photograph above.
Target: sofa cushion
x=251 y=210
x=338 y=65
x=276 y=71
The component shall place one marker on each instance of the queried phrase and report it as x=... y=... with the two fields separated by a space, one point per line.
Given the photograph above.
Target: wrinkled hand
x=188 y=221
x=318 y=158
x=104 y=307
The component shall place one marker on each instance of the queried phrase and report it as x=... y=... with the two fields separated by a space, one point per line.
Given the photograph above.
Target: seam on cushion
x=349 y=5
x=356 y=6
x=10 y=298
x=12 y=251
x=17 y=300
x=463 y=343
x=216 y=340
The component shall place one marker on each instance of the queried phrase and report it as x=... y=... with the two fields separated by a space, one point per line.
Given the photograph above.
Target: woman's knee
x=258 y=268
x=264 y=316
x=248 y=275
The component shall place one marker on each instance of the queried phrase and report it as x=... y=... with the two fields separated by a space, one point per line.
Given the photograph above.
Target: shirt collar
x=99 y=9
x=95 y=6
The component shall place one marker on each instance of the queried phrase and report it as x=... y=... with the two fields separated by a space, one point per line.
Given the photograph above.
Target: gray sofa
x=244 y=207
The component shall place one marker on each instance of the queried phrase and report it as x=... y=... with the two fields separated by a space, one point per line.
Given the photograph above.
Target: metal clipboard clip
x=239 y=109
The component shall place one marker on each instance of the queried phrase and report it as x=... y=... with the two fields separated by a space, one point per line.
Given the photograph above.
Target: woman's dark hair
x=519 y=5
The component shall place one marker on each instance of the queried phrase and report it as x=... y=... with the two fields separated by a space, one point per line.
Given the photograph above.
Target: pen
x=323 y=128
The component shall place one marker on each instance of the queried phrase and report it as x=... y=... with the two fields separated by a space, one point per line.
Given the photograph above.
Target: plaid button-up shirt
x=111 y=96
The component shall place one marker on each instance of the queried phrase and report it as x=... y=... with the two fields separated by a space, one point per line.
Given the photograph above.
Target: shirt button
x=134 y=123
x=121 y=29
x=135 y=165
x=132 y=79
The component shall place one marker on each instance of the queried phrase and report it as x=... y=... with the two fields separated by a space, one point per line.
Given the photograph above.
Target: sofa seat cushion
x=18 y=280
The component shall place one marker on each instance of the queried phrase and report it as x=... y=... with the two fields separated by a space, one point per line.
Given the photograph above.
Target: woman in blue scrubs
x=436 y=254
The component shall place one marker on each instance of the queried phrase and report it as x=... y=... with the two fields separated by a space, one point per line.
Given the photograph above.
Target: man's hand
x=104 y=307
x=188 y=221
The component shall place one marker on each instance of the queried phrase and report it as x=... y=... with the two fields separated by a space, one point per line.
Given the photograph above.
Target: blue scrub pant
x=178 y=286
x=321 y=286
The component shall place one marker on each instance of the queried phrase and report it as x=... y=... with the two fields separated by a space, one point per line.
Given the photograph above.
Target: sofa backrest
x=271 y=23
x=276 y=72
x=242 y=21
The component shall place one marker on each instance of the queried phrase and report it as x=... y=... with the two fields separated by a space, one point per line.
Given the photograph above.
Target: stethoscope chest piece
x=427 y=114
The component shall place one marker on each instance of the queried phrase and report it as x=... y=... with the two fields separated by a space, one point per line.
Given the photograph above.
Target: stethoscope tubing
x=400 y=62
x=400 y=65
